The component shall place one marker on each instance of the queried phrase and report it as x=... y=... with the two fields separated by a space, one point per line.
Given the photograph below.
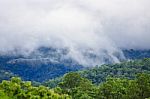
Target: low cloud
x=83 y=26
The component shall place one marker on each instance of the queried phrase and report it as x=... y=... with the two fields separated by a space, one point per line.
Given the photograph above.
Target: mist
x=83 y=26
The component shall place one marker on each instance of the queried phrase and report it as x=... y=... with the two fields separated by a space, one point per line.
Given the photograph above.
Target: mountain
x=48 y=63
x=136 y=54
x=44 y=64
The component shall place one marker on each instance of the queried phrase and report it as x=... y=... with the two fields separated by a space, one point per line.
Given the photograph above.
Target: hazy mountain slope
x=136 y=54
x=39 y=66
x=48 y=63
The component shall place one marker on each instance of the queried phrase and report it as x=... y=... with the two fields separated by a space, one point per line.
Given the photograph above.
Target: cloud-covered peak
x=80 y=26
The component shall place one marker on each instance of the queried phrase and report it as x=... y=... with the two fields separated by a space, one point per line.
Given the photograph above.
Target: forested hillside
x=136 y=54
x=74 y=49
x=126 y=69
x=73 y=86
x=126 y=80
x=49 y=63
x=98 y=74
x=41 y=65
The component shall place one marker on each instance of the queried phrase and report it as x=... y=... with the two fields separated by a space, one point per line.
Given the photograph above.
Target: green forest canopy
x=126 y=80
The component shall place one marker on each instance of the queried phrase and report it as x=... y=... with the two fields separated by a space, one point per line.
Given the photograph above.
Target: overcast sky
x=74 y=24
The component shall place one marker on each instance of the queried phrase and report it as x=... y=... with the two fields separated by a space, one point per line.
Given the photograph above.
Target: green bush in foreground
x=73 y=86
x=114 y=88
x=18 y=89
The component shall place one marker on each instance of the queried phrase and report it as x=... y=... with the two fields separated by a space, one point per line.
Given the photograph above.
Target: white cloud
x=78 y=25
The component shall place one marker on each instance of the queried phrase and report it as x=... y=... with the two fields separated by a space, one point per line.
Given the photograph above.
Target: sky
x=79 y=25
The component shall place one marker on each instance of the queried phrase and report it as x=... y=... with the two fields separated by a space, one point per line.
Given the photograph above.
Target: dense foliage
x=98 y=74
x=125 y=80
x=18 y=89
x=127 y=69
x=113 y=88
x=78 y=87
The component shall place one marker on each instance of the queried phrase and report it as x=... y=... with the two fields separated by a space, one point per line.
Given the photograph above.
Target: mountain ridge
x=41 y=67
